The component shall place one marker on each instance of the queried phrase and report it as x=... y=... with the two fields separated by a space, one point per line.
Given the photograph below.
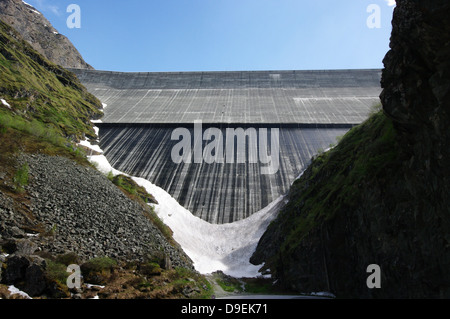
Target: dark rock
x=56 y=290
x=190 y=292
x=77 y=296
x=23 y=247
x=15 y=269
x=399 y=217
x=35 y=280
x=16 y=232
x=26 y=273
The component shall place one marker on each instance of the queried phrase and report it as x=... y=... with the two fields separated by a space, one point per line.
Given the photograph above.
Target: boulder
x=26 y=273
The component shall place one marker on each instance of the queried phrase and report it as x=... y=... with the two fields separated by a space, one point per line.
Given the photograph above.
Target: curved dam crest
x=307 y=109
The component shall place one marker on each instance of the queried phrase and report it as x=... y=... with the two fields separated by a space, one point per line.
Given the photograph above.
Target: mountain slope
x=56 y=209
x=381 y=196
x=39 y=32
x=37 y=89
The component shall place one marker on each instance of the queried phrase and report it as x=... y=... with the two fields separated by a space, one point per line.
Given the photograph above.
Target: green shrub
x=98 y=270
x=110 y=176
x=126 y=183
x=99 y=264
x=150 y=269
x=21 y=178
x=56 y=271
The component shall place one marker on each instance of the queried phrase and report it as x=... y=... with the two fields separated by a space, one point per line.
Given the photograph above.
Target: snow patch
x=32 y=235
x=212 y=247
x=103 y=110
x=26 y=3
x=31 y=7
x=103 y=165
x=87 y=144
x=5 y=103
x=15 y=291
x=90 y=286
x=225 y=247
x=391 y=3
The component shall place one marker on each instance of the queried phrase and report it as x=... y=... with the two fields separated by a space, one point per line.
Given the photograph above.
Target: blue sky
x=224 y=35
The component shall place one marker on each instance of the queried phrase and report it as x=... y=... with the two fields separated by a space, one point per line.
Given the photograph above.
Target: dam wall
x=305 y=110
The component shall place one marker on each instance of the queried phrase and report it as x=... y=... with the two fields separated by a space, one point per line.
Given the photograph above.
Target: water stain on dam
x=309 y=109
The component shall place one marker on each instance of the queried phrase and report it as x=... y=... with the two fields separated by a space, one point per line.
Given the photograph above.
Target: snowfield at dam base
x=212 y=247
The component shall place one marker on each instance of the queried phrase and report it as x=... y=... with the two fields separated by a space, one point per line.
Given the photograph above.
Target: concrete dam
x=226 y=144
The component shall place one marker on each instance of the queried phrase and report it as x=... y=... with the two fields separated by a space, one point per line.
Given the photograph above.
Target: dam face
x=226 y=144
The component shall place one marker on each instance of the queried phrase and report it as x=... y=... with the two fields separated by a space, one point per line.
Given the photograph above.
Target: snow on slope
x=226 y=247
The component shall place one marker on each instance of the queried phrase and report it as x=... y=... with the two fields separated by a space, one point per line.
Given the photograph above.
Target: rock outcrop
x=416 y=96
x=42 y=36
x=381 y=196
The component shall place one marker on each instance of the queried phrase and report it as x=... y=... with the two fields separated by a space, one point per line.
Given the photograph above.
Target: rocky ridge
x=43 y=37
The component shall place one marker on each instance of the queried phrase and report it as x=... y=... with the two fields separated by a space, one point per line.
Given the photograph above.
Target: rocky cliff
x=39 y=32
x=381 y=196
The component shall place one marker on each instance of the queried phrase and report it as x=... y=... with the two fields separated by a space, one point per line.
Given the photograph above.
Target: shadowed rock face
x=416 y=91
x=39 y=32
x=397 y=214
x=310 y=109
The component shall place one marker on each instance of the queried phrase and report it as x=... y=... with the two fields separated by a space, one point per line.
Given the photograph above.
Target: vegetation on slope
x=106 y=278
x=331 y=183
x=45 y=99
x=44 y=109
x=338 y=219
